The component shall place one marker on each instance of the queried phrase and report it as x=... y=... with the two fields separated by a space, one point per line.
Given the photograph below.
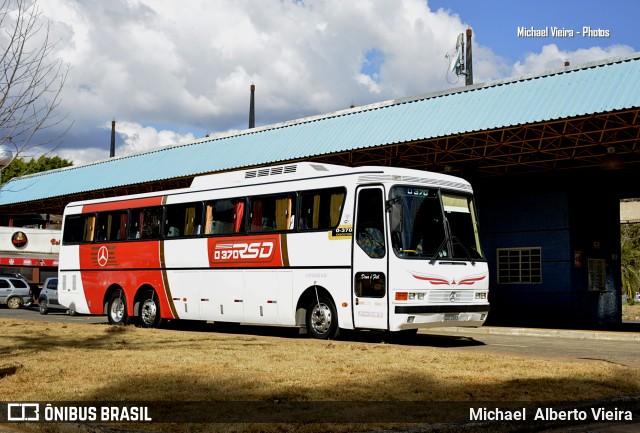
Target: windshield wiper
x=456 y=241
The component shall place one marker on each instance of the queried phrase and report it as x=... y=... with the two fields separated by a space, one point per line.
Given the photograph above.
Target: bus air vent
x=319 y=167
x=270 y=171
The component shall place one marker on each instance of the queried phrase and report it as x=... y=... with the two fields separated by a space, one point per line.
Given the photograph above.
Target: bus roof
x=300 y=171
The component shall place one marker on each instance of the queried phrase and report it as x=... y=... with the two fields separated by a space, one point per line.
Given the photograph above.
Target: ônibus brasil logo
x=250 y=250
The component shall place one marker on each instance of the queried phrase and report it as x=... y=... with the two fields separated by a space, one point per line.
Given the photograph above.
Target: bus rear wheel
x=322 y=319
x=117 y=309
x=149 y=313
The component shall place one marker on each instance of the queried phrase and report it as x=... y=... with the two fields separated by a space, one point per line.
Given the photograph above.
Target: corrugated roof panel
x=606 y=86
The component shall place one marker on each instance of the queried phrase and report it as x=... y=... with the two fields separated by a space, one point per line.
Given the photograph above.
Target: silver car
x=48 y=298
x=15 y=292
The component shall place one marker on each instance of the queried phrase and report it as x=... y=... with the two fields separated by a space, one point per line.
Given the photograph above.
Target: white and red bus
x=318 y=246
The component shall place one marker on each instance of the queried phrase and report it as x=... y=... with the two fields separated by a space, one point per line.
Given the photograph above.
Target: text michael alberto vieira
x=550 y=414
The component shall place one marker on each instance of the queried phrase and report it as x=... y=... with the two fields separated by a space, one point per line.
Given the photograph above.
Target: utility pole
x=468 y=61
x=252 y=108
x=112 y=153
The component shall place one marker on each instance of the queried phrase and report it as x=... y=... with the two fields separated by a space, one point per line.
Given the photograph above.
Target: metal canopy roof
x=564 y=119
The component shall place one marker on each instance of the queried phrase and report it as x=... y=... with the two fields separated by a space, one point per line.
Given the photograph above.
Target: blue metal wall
x=571 y=220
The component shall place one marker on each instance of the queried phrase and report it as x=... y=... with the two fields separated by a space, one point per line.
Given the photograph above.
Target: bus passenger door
x=370 y=258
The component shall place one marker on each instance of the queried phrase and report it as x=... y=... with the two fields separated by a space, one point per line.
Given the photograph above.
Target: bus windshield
x=429 y=224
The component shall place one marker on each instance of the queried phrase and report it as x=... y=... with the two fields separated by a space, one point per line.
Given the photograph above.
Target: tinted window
x=225 y=217
x=145 y=223
x=79 y=228
x=112 y=226
x=21 y=284
x=320 y=209
x=272 y=213
x=184 y=219
x=370 y=226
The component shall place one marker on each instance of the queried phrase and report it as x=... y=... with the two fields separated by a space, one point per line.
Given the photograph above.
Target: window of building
x=597 y=274
x=519 y=265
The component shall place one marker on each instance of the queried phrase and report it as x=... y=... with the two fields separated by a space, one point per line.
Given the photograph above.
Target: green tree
x=19 y=166
x=630 y=246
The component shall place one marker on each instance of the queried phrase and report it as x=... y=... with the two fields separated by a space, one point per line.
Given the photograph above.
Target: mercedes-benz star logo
x=103 y=256
x=453 y=296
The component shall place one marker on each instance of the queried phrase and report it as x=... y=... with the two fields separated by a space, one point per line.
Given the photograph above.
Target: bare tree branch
x=31 y=81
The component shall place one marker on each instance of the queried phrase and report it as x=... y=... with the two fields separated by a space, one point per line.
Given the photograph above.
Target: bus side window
x=320 y=209
x=151 y=223
x=135 y=223
x=272 y=213
x=89 y=228
x=78 y=229
x=223 y=217
x=182 y=219
x=111 y=226
x=145 y=223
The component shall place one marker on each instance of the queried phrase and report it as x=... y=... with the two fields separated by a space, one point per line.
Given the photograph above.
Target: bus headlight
x=481 y=295
x=409 y=296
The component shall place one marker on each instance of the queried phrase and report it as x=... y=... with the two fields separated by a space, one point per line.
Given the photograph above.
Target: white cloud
x=138 y=138
x=188 y=65
x=553 y=58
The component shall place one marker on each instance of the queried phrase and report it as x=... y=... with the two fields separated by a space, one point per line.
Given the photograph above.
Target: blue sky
x=495 y=23
x=172 y=72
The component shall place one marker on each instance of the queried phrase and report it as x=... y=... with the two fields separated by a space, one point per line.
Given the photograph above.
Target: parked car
x=15 y=292
x=48 y=298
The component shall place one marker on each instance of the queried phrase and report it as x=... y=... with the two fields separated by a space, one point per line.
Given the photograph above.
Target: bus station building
x=550 y=156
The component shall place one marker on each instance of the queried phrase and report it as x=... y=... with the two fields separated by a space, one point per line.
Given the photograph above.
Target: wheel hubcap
x=117 y=310
x=321 y=318
x=149 y=311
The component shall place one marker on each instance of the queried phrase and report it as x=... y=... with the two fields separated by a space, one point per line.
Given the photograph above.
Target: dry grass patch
x=103 y=363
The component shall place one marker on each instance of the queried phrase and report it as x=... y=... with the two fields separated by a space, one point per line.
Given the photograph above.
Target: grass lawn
x=79 y=362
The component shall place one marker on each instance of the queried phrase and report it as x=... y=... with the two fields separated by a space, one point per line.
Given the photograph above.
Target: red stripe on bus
x=122 y=204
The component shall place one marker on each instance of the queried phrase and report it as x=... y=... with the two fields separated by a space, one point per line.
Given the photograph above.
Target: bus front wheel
x=117 y=309
x=322 y=319
x=150 y=310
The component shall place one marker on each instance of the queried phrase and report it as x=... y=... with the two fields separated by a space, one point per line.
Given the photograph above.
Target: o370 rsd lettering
x=243 y=251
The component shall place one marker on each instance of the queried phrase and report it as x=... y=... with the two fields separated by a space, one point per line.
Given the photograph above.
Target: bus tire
x=117 y=309
x=149 y=314
x=322 y=319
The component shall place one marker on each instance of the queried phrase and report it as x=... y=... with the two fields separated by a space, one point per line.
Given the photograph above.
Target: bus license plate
x=451 y=316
